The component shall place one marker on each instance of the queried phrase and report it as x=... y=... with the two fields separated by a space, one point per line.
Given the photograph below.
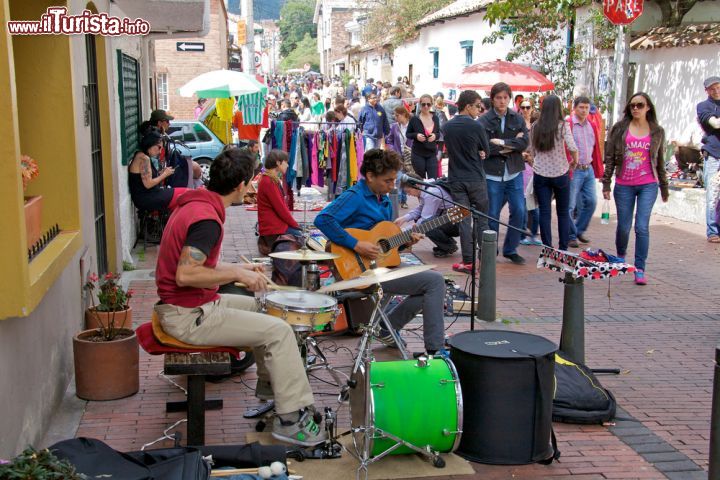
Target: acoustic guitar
x=389 y=237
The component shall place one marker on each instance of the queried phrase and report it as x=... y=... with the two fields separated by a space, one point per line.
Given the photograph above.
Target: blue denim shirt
x=357 y=207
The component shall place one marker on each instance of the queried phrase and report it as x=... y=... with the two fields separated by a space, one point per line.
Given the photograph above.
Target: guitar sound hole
x=384 y=245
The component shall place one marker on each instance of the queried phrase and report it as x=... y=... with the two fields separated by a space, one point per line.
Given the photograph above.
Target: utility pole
x=622 y=55
x=249 y=47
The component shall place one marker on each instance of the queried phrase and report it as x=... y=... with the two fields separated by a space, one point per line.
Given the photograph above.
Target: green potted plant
x=38 y=465
x=106 y=354
x=33 y=204
x=112 y=310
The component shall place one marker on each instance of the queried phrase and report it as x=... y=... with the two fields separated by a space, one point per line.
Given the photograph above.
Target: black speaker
x=507 y=381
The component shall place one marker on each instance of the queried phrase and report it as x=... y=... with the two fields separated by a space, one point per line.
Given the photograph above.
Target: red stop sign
x=622 y=12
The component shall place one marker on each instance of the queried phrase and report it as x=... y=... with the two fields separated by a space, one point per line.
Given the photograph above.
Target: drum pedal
x=260 y=410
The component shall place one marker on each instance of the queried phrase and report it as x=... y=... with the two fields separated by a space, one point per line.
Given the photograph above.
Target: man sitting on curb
x=188 y=274
x=433 y=203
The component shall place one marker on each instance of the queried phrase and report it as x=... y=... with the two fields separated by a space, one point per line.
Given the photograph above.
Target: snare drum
x=421 y=404
x=304 y=311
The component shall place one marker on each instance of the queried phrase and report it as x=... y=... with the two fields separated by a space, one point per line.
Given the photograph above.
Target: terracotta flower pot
x=33 y=217
x=106 y=370
x=95 y=319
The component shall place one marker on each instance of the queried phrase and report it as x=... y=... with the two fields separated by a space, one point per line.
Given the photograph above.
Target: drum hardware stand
x=378 y=316
x=320 y=361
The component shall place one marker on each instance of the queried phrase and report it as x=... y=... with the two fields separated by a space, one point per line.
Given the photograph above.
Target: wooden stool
x=196 y=362
x=196 y=366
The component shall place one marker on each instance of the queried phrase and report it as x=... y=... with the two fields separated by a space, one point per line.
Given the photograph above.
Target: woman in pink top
x=548 y=139
x=635 y=154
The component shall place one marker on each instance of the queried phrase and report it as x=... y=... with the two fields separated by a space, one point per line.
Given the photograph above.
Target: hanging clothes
x=252 y=105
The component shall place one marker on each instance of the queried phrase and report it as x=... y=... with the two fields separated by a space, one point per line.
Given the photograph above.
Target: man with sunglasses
x=465 y=139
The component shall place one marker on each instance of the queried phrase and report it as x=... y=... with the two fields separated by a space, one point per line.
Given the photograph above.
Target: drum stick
x=271 y=287
x=236 y=471
x=268 y=279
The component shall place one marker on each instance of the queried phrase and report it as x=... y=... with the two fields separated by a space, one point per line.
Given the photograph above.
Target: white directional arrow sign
x=190 y=46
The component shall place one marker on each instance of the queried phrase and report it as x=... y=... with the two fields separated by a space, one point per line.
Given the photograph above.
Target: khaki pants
x=234 y=321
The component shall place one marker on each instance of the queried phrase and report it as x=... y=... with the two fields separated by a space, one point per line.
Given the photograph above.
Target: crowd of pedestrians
x=503 y=150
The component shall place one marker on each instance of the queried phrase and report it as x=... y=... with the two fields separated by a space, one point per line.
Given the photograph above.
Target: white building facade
x=449 y=40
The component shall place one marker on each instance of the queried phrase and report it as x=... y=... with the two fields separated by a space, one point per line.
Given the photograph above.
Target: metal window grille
x=162 y=92
x=130 y=106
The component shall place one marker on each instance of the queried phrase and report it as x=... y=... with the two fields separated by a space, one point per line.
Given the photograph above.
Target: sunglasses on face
x=426 y=104
x=638 y=106
x=525 y=107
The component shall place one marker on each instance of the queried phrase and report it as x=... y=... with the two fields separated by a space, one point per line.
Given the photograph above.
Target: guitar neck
x=405 y=236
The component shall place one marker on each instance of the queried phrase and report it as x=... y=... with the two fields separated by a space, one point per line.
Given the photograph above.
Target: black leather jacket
x=514 y=126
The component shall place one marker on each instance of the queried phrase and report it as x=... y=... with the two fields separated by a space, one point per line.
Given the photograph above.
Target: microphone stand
x=473 y=211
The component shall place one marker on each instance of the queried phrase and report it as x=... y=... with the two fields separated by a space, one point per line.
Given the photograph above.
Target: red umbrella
x=482 y=76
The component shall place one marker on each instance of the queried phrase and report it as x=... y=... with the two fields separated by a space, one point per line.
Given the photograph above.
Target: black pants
x=442 y=236
x=425 y=164
x=473 y=194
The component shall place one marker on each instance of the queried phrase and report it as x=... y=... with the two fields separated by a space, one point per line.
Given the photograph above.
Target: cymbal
x=375 y=275
x=304 y=255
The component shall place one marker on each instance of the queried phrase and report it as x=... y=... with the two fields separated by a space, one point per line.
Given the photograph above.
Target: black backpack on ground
x=579 y=396
x=96 y=459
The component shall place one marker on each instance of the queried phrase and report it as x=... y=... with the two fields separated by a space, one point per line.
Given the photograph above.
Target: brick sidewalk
x=661 y=336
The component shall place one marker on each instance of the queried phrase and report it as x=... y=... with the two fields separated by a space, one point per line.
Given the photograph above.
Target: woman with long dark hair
x=144 y=180
x=635 y=154
x=548 y=138
x=424 y=131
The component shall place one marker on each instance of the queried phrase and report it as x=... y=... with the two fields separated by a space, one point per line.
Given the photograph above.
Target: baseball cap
x=160 y=116
x=711 y=81
x=271 y=97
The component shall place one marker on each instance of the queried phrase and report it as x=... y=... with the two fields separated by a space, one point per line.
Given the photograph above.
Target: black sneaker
x=583 y=239
x=515 y=258
x=573 y=243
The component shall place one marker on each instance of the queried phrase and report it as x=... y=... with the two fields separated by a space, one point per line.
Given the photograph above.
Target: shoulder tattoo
x=191 y=256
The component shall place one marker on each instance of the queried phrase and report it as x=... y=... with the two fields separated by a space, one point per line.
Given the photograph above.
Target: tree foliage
x=538 y=29
x=296 y=21
x=393 y=21
x=304 y=52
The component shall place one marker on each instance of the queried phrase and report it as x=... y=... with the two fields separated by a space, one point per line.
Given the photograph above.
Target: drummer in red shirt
x=274 y=217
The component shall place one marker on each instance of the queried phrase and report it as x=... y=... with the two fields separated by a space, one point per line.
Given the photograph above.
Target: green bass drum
x=419 y=404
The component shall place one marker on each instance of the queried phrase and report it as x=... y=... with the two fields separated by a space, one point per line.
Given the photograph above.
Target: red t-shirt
x=274 y=216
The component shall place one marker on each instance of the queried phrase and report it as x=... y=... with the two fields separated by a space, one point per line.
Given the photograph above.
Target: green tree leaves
x=296 y=21
x=304 y=52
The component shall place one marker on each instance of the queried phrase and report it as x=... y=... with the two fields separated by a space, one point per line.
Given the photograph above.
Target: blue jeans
x=710 y=168
x=512 y=193
x=370 y=142
x=584 y=196
x=625 y=197
x=544 y=189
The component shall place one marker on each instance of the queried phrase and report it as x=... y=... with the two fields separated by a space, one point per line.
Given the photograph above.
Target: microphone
x=404 y=178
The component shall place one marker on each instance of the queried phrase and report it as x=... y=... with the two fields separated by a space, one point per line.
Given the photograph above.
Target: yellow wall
x=36 y=78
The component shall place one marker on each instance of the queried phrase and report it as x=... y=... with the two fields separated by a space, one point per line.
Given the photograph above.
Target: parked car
x=193 y=138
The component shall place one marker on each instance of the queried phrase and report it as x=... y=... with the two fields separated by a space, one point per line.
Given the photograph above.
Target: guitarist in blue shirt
x=363 y=206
